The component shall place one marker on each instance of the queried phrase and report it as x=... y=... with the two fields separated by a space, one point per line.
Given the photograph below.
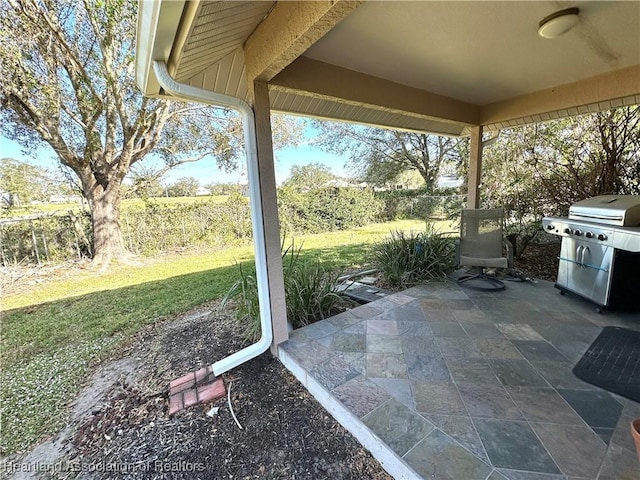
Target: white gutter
x=158 y=23
x=187 y=92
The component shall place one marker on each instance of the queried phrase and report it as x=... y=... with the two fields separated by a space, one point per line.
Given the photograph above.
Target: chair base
x=481 y=281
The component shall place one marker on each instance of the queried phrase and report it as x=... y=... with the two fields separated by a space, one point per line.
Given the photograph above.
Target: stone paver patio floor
x=449 y=383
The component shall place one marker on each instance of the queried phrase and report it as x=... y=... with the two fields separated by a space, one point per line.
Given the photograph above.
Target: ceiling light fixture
x=558 y=23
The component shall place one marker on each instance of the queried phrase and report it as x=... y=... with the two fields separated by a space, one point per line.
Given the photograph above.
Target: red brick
x=207 y=393
x=181 y=388
x=190 y=398
x=202 y=374
x=175 y=403
x=182 y=383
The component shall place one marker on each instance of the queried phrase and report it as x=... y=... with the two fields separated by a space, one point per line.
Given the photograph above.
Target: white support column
x=474 y=172
x=267 y=181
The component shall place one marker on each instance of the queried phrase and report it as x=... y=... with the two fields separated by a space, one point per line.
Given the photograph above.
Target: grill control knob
x=589 y=234
x=568 y=231
x=577 y=232
x=550 y=226
x=602 y=237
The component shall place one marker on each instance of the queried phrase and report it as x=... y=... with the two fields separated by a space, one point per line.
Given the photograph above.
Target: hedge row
x=154 y=227
x=46 y=239
x=327 y=209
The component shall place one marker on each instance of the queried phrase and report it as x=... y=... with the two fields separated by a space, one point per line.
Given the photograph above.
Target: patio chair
x=481 y=245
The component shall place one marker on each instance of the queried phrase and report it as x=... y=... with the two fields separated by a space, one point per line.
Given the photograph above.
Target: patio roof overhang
x=437 y=66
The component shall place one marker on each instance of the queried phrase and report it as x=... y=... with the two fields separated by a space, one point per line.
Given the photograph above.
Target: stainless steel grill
x=600 y=252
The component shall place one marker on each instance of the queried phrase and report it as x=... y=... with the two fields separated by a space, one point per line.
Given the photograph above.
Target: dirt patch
x=285 y=432
x=46 y=455
x=540 y=260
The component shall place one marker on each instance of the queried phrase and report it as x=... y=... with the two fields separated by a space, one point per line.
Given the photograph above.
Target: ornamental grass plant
x=406 y=259
x=310 y=292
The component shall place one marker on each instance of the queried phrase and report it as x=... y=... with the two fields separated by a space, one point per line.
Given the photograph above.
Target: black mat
x=612 y=362
x=364 y=293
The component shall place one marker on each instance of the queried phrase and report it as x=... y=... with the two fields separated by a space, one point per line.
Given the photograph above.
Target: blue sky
x=205 y=170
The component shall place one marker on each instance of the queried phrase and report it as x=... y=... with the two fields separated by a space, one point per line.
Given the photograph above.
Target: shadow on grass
x=47 y=327
x=51 y=347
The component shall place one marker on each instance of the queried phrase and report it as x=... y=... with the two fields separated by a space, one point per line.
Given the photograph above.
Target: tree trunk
x=108 y=244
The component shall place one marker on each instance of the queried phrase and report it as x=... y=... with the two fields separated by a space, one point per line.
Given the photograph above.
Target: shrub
x=521 y=232
x=327 y=209
x=420 y=203
x=157 y=227
x=408 y=259
x=310 y=288
x=244 y=292
x=152 y=227
x=310 y=293
x=46 y=239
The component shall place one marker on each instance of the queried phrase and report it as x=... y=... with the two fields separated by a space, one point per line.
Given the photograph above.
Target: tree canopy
x=184 y=187
x=309 y=177
x=541 y=169
x=23 y=182
x=381 y=155
x=68 y=81
x=145 y=183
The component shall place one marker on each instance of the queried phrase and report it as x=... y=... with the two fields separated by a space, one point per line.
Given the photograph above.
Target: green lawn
x=53 y=333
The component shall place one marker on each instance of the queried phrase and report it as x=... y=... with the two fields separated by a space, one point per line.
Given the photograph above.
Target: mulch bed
x=286 y=434
x=540 y=260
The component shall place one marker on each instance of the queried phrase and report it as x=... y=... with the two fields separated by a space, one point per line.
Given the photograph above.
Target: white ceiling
x=481 y=52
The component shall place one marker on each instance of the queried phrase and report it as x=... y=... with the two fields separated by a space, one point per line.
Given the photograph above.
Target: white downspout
x=187 y=92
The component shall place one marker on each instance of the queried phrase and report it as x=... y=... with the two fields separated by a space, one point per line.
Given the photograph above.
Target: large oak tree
x=67 y=69
x=381 y=155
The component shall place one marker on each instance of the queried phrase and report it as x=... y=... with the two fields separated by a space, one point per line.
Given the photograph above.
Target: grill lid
x=619 y=210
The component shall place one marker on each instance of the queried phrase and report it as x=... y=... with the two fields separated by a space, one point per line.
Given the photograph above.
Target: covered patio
x=432 y=380
x=447 y=68
x=444 y=382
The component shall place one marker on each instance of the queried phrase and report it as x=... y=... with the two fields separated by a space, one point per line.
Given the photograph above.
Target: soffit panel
x=220 y=28
x=482 y=65
x=567 y=112
x=227 y=76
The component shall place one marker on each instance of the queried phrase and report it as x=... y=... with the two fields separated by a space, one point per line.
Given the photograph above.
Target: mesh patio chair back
x=481 y=243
